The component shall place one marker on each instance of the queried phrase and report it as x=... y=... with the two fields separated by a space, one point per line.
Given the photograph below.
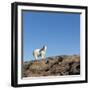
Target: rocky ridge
x=52 y=66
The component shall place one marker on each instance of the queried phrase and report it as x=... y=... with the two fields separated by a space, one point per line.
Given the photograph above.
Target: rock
x=52 y=66
x=60 y=69
x=38 y=66
x=54 y=60
x=75 y=68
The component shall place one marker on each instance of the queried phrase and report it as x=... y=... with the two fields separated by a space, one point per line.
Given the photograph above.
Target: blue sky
x=59 y=31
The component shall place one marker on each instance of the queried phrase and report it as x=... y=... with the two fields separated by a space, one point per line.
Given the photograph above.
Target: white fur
x=38 y=52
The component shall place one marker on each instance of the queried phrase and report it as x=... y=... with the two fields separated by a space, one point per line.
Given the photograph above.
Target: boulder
x=38 y=66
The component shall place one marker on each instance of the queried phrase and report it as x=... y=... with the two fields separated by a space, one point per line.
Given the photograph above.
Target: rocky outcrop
x=52 y=66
